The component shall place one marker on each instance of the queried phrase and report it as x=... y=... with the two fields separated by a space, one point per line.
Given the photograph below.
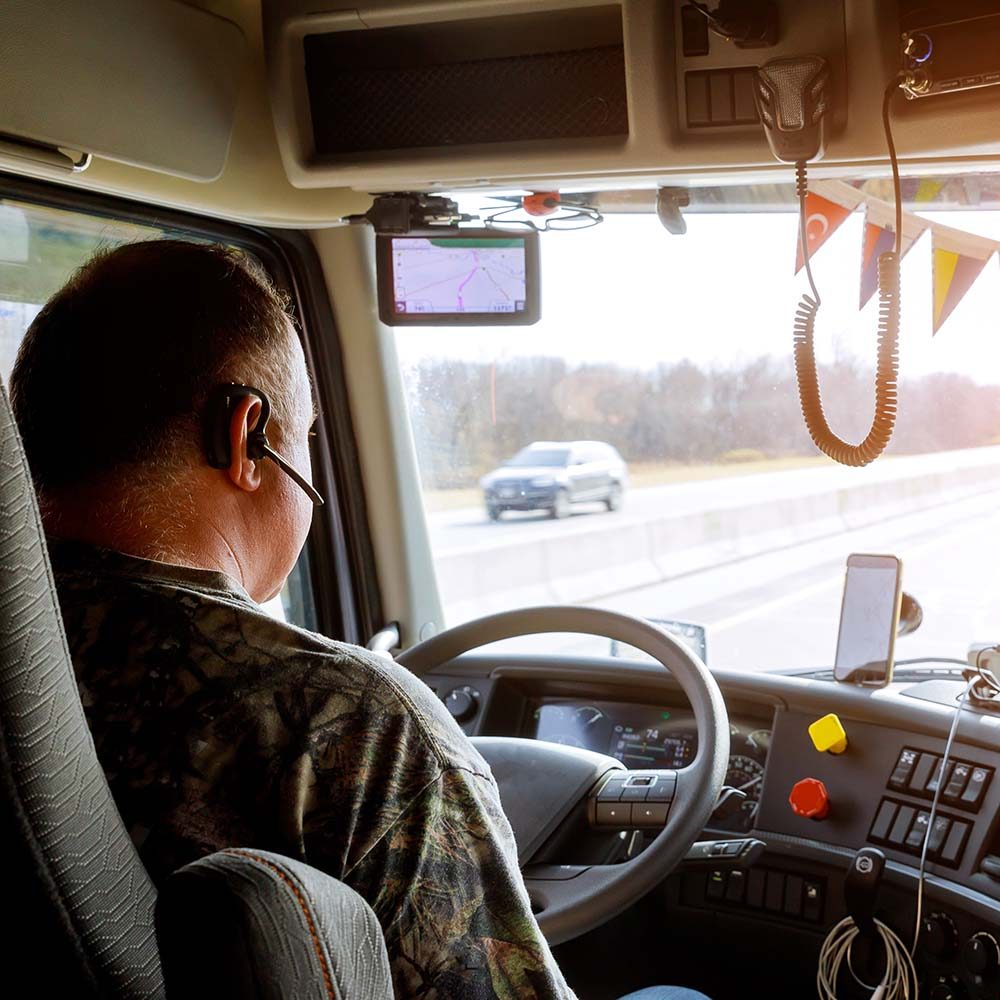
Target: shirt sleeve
x=446 y=887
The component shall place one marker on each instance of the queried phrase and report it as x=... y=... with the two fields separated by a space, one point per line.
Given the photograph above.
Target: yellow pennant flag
x=958 y=259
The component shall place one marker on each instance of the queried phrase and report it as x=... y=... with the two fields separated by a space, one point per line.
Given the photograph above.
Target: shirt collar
x=80 y=557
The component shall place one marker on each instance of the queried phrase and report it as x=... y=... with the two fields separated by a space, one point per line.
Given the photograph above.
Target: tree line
x=468 y=417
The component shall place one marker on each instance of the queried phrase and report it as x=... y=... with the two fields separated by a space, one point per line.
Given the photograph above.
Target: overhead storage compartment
x=424 y=94
x=545 y=77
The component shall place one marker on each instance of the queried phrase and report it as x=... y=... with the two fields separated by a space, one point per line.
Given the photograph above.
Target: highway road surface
x=780 y=608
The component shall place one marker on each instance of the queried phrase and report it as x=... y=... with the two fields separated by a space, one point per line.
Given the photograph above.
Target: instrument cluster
x=647 y=736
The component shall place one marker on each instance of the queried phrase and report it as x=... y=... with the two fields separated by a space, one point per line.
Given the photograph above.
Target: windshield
x=677 y=351
x=534 y=456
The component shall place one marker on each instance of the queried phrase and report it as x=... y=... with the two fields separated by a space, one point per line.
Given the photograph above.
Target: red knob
x=809 y=798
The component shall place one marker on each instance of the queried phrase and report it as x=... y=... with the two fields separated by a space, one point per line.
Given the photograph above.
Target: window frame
x=340 y=564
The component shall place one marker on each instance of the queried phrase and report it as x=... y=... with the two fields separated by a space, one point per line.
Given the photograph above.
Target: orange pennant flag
x=823 y=218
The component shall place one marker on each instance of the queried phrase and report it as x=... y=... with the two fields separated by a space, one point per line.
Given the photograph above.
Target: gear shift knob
x=791 y=100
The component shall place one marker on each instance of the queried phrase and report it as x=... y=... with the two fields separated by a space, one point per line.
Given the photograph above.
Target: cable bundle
x=899 y=981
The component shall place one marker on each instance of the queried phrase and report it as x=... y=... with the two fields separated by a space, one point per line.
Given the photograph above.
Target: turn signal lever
x=729 y=803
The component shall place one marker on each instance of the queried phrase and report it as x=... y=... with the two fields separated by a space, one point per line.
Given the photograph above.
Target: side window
x=40 y=247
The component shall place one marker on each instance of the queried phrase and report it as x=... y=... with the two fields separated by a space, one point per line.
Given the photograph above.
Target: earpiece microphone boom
x=219 y=410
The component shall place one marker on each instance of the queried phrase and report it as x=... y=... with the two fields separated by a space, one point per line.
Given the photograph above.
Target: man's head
x=110 y=389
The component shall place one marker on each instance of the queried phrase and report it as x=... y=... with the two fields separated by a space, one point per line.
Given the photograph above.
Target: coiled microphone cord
x=887 y=366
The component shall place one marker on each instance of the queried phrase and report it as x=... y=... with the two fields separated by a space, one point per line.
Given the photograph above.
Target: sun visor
x=152 y=83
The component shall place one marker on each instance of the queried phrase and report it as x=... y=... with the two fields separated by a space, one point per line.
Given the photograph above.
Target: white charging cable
x=899 y=981
x=942 y=780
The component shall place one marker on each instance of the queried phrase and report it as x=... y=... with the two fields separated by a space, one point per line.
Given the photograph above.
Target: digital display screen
x=640 y=738
x=867 y=620
x=476 y=278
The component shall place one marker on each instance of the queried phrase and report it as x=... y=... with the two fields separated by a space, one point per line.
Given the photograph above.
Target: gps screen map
x=484 y=279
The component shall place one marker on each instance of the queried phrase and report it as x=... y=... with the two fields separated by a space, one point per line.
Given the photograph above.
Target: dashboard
x=878 y=794
x=658 y=736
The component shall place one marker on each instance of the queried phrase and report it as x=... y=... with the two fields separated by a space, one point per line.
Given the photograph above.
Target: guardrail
x=584 y=565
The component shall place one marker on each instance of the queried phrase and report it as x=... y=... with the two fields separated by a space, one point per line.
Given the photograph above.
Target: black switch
x=901 y=825
x=611 y=790
x=716 y=887
x=736 y=886
x=883 y=820
x=720 y=97
x=696 y=86
x=915 y=838
x=745 y=110
x=939 y=833
x=812 y=901
x=922 y=772
x=663 y=789
x=635 y=793
x=694 y=31
x=900 y=776
x=774 y=893
x=979 y=779
x=956 y=783
x=756 y=878
x=938 y=776
x=793 y=896
x=951 y=853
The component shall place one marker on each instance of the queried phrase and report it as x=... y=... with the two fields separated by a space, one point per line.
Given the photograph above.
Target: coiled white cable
x=899 y=981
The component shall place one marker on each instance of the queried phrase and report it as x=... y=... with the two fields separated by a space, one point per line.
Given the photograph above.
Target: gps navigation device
x=470 y=277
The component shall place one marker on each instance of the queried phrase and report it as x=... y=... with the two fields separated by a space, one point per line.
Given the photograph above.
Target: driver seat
x=84 y=917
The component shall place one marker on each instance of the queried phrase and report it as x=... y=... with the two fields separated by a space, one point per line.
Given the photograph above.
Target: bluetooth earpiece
x=218 y=413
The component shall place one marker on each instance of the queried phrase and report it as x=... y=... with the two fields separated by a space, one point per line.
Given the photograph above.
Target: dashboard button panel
x=919 y=773
x=904 y=827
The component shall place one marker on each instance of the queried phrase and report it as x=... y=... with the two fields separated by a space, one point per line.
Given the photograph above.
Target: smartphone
x=869 y=618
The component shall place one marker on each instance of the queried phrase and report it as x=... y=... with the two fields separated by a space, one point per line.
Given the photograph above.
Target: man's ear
x=243 y=471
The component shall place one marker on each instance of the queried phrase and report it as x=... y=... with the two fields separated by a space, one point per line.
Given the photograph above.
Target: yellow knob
x=828 y=735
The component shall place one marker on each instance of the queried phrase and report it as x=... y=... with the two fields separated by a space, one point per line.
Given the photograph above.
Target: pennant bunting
x=958 y=259
x=826 y=209
x=823 y=219
x=879 y=237
x=921 y=190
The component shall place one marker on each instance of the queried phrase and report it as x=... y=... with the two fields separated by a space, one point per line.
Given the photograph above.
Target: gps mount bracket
x=403 y=213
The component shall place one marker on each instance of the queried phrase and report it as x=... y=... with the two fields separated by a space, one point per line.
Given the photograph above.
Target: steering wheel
x=542 y=784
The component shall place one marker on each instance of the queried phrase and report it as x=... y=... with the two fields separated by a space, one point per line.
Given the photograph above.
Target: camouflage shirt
x=218 y=727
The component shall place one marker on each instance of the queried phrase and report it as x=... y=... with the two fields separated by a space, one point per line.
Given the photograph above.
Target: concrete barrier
x=614 y=555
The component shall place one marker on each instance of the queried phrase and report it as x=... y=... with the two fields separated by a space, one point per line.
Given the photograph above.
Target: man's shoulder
x=231 y=644
x=394 y=684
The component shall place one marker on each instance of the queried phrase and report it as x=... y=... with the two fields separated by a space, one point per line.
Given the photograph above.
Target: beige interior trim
x=385 y=443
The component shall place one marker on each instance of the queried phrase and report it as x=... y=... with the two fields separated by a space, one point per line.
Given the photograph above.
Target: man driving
x=141 y=391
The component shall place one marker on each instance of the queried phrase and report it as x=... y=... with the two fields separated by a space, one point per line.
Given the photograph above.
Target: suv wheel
x=560 y=505
x=616 y=497
x=493 y=511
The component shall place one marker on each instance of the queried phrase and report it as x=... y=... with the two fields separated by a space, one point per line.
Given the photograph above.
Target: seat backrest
x=251 y=925
x=80 y=904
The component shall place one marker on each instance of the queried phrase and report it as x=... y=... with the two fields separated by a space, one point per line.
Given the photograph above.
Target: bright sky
x=628 y=292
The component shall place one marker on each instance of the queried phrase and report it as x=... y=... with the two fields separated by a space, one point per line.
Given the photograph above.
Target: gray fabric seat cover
x=246 y=923
x=80 y=871
x=80 y=906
